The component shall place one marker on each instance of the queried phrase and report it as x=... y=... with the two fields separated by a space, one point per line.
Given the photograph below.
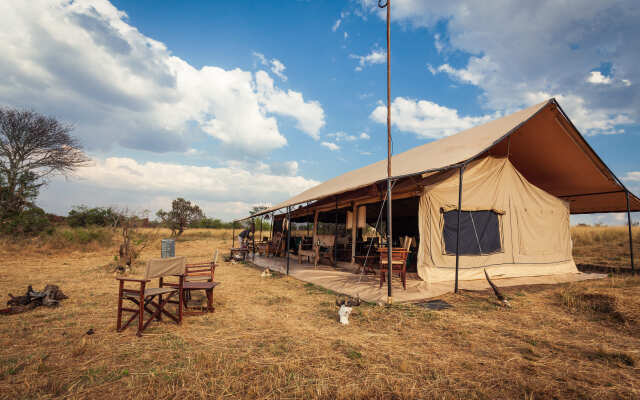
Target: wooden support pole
x=335 y=236
x=630 y=234
x=315 y=226
x=315 y=238
x=458 y=228
x=233 y=234
x=354 y=232
x=253 y=239
x=288 y=235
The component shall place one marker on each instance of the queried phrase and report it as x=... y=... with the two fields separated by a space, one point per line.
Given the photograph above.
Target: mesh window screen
x=479 y=232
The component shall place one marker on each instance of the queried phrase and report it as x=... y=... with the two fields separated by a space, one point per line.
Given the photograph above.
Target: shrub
x=31 y=221
x=84 y=216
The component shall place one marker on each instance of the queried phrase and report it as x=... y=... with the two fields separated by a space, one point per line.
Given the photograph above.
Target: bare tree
x=182 y=214
x=32 y=147
x=134 y=239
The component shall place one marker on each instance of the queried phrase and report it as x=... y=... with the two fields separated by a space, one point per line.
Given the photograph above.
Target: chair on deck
x=324 y=249
x=144 y=297
x=398 y=261
x=274 y=247
x=307 y=249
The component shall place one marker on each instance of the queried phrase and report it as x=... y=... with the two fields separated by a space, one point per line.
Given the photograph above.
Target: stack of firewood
x=49 y=297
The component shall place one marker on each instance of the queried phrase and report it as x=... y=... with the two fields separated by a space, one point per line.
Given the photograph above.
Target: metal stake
x=458 y=229
x=630 y=235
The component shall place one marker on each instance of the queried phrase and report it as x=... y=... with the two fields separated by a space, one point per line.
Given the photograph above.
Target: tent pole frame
x=335 y=236
x=458 y=228
x=288 y=235
x=354 y=232
x=233 y=234
x=253 y=239
x=261 y=223
x=630 y=232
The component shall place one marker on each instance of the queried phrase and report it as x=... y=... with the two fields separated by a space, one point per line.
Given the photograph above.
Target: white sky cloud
x=376 y=56
x=518 y=50
x=336 y=25
x=274 y=65
x=331 y=146
x=231 y=183
x=83 y=62
x=633 y=176
x=597 y=78
x=308 y=114
x=426 y=119
x=365 y=136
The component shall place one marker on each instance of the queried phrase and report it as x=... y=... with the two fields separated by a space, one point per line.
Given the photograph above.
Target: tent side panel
x=534 y=225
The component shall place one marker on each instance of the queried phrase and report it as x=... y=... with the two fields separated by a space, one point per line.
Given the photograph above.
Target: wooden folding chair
x=306 y=249
x=146 y=297
x=199 y=277
x=398 y=262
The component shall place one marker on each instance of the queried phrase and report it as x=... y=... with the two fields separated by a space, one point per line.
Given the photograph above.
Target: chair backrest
x=215 y=257
x=161 y=267
x=199 y=272
x=326 y=240
x=397 y=254
x=407 y=242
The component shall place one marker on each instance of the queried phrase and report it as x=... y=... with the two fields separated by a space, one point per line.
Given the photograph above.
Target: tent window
x=479 y=232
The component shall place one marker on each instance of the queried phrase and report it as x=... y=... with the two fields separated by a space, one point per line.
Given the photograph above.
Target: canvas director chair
x=152 y=299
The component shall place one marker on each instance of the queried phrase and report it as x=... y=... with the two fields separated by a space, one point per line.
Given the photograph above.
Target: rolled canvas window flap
x=362 y=217
x=349 y=224
x=451 y=207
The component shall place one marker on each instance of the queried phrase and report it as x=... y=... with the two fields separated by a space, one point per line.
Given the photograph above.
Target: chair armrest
x=132 y=279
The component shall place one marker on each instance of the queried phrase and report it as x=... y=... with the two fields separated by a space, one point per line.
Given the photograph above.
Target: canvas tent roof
x=540 y=141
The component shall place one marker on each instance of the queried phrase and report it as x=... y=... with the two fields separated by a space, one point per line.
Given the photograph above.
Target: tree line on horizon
x=35 y=147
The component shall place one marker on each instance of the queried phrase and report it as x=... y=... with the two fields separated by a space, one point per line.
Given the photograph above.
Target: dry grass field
x=279 y=338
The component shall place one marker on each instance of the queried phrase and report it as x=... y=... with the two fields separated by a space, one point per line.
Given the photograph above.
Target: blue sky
x=232 y=104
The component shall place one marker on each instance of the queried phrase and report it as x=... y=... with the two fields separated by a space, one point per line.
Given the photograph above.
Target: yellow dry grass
x=279 y=338
x=604 y=245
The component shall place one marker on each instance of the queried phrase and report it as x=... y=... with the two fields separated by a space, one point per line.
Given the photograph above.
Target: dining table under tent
x=496 y=197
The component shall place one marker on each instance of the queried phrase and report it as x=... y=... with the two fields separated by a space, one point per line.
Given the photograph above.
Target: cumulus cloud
x=517 y=50
x=365 y=136
x=309 y=115
x=83 y=62
x=232 y=183
x=426 y=119
x=376 y=56
x=275 y=65
x=597 y=78
x=331 y=146
x=633 y=176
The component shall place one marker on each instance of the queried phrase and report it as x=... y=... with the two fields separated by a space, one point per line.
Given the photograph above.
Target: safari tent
x=512 y=183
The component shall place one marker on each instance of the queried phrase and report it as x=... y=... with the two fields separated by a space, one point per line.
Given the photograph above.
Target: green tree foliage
x=182 y=215
x=98 y=216
x=32 y=148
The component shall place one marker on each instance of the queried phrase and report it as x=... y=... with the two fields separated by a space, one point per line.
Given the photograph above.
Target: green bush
x=83 y=216
x=30 y=221
x=67 y=237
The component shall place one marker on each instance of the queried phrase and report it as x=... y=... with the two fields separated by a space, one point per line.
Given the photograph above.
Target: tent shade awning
x=541 y=142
